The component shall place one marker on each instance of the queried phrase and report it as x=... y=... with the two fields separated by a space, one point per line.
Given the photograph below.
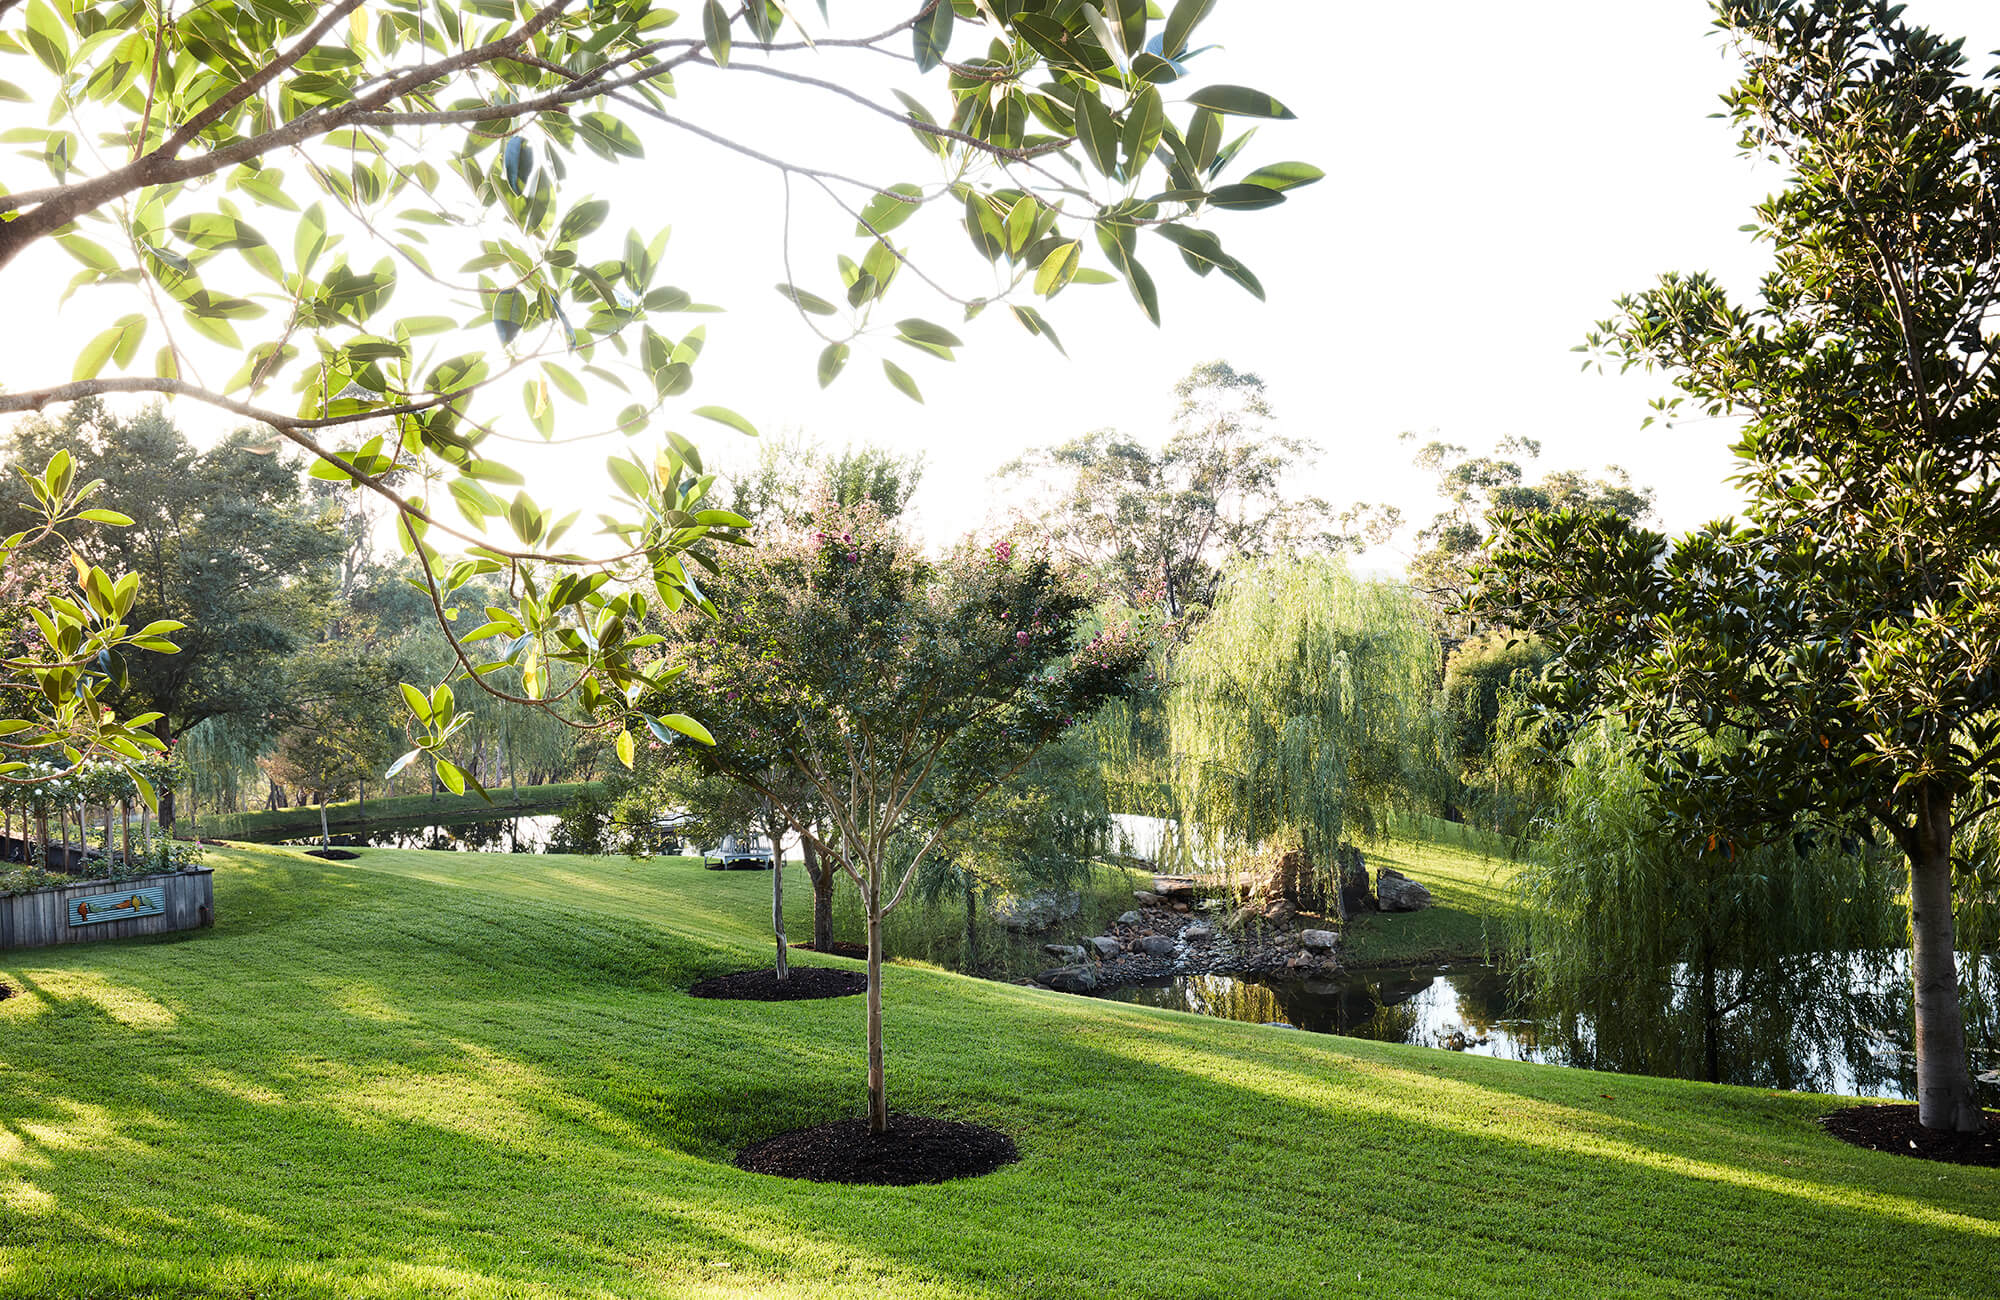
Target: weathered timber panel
x=48 y=917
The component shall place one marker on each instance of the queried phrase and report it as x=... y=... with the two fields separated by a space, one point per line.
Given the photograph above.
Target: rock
x=1155 y=945
x=1182 y=908
x=1105 y=946
x=1174 y=889
x=1036 y=911
x=1396 y=892
x=1280 y=910
x=1198 y=933
x=1300 y=959
x=1067 y=951
x=1129 y=918
x=1284 y=873
x=1146 y=898
x=1069 y=979
x=1320 y=940
x=1355 y=895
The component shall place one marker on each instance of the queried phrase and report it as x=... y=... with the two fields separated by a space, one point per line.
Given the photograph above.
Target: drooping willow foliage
x=1304 y=711
x=1675 y=951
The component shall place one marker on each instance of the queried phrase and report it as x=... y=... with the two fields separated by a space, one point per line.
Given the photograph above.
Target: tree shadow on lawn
x=433 y=1089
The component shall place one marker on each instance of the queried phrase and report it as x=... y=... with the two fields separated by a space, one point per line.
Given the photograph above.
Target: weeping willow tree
x=1302 y=712
x=1680 y=954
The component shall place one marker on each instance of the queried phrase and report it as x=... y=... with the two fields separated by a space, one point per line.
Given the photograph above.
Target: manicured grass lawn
x=350 y=814
x=1469 y=875
x=478 y=1075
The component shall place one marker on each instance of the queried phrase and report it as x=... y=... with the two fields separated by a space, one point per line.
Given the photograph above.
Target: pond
x=1849 y=1036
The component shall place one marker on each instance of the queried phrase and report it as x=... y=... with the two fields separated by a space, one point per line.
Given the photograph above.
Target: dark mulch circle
x=1894 y=1129
x=5 y=992
x=805 y=982
x=916 y=1149
x=855 y=951
x=333 y=855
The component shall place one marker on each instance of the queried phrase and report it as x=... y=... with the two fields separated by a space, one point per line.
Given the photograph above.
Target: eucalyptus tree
x=1302 y=711
x=1847 y=627
x=895 y=693
x=1160 y=525
x=1471 y=489
x=247 y=188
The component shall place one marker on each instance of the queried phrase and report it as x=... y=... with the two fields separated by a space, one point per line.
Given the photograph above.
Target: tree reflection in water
x=1838 y=1024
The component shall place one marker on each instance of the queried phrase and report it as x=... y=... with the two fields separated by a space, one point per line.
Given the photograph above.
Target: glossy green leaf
x=1239 y=100
x=902 y=380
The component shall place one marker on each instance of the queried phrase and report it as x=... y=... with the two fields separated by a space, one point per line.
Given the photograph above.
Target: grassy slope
x=477 y=1075
x=348 y=814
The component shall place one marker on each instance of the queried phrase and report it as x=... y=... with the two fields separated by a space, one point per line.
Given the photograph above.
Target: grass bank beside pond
x=350 y=815
x=1470 y=876
x=472 y=1075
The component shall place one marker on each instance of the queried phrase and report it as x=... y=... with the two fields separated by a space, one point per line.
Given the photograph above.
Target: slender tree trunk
x=878 y=1099
x=107 y=834
x=1711 y=1049
x=1944 y=1079
x=125 y=829
x=42 y=827
x=778 y=898
x=325 y=837
x=821 y=877
x=361 y=800
x=971 y=923
x=146 y=832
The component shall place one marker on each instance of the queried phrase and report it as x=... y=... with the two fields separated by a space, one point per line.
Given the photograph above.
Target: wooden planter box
x=92 y=910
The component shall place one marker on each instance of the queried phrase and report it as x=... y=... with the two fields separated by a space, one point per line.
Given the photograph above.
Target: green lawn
x=1469 y=876
x=478 y=1075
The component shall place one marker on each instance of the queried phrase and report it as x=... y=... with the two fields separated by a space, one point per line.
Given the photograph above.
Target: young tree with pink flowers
x=893 y=691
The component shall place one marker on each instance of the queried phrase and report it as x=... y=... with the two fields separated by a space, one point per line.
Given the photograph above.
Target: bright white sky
x=1497 y=175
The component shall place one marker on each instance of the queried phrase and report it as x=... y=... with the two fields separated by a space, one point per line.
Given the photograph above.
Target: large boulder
x=1036 y=911
x=1066 y=951
x=1174 y=889
x=1198 y=933
x=1355 y=895
x=1396 y=892
x=1105 y=946
x=1129 y=918
x=1069 y=979
x=1156 y=945
x=1320 y=940
x=1283 y=873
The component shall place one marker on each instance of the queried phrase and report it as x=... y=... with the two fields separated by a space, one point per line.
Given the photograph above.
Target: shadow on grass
x=447 y=1083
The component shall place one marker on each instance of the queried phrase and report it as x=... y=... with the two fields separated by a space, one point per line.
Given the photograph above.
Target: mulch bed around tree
x=916 y=1149
x=856 y=951
x=5 y=993
x=804 y=983
x=333 y=855
x=1894 y=1129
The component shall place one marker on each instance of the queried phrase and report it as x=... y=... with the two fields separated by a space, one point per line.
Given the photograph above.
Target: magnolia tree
x=1832 y=656
x=66 y=643
x=246 y=189
x=878 y=698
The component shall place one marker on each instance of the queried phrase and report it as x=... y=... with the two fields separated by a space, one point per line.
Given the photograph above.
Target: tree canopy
x=370 y=211
x=1833 y=652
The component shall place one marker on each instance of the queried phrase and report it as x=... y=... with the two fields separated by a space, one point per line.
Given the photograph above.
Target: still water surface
x=1850 y=1037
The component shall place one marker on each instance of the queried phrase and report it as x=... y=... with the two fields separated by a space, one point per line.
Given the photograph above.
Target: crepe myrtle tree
x=1836 y=652
x=262 y=181
x=898 y=692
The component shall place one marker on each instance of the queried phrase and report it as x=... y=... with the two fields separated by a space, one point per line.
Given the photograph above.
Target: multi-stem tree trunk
x=1944 y=1079
x=878 y=1100
x=820 y=873
x=971 y=921
x=775 y=832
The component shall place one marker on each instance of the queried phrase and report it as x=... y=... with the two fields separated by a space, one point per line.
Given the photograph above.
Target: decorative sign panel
x=121 y=906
